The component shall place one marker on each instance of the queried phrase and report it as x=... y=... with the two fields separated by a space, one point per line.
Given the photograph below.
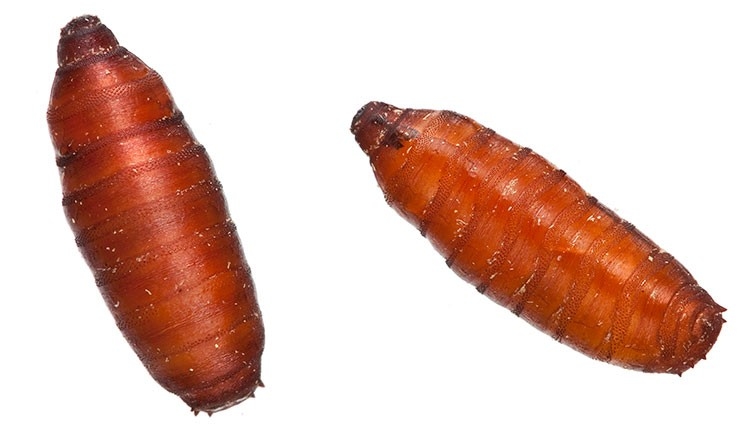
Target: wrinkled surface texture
x=150 y=218
x=530 y=239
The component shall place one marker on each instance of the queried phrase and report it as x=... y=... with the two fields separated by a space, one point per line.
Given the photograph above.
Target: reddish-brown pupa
x=151 y=221
x=528 y=237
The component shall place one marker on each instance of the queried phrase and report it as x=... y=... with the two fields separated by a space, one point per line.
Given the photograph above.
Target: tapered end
x=222 y=396
x=211 y=409
x=703 y=333
x=82 y=23
x=83 y=38
x=373 y=123
x=691 y=329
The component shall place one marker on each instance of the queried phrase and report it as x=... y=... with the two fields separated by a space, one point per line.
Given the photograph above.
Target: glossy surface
x=151 y=221
x=531 y=239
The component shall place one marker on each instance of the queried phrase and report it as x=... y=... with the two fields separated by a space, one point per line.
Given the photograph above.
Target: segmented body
x=150 y=218
x=531 y=239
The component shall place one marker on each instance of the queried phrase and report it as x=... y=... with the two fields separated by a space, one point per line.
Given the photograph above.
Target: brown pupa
x=531 y=239
x=150 y=218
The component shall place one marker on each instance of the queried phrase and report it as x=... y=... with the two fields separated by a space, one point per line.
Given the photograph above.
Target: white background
x=647 y=105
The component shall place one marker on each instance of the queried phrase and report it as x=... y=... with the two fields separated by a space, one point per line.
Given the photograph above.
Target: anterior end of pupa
x=373 y=123
x=83 y=38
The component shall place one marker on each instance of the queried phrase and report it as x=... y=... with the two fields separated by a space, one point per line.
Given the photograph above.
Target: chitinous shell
x=531 y=239
x=150 y=219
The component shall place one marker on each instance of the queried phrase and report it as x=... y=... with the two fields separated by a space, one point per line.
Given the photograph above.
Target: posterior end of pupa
x=210 y=407
x=707 y=327
x=82 y=38
x=701 y=337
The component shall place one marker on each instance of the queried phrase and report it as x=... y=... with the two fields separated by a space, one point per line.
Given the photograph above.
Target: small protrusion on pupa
x=83 y=38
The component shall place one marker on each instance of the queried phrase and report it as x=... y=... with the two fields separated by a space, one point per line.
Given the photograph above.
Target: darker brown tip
x=83 y=38
x=372 y=124
x=80 y=24
x=366 y=112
